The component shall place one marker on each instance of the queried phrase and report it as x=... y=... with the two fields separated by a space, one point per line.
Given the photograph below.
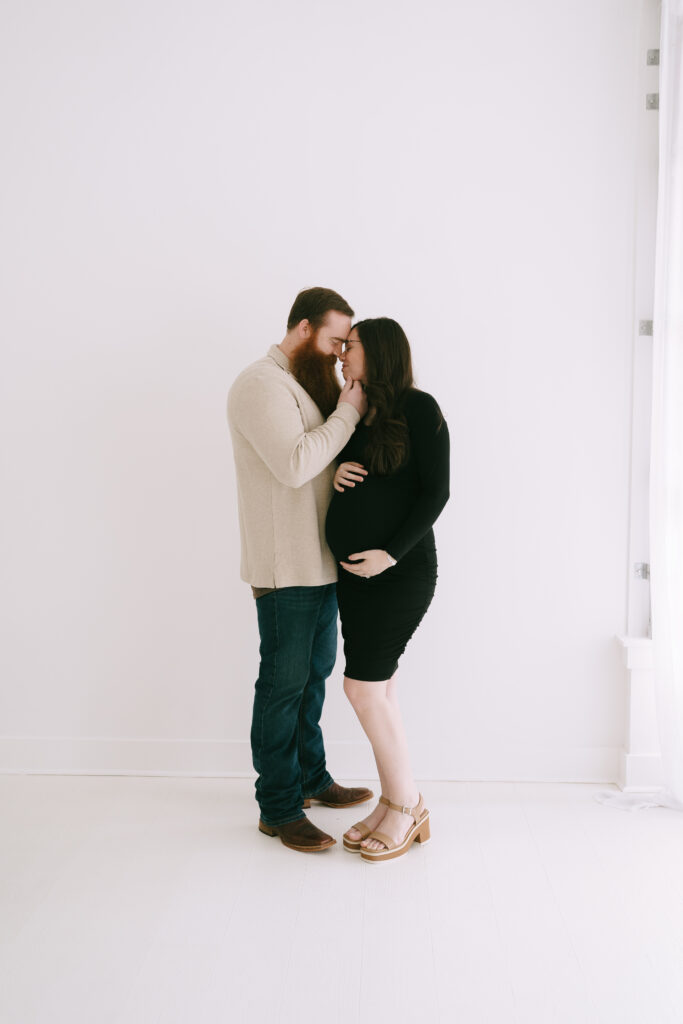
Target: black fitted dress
x=395 y=513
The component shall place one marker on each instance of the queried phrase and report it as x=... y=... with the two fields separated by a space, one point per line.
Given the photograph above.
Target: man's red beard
x=315 y=372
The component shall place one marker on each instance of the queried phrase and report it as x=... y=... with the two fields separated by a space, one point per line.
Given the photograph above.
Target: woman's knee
x=363 y=694
x=351 y=688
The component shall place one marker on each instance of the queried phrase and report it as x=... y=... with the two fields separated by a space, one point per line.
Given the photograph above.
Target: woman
x=390 y=486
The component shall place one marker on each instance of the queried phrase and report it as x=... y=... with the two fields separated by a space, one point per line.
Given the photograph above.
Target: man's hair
x=314 y=304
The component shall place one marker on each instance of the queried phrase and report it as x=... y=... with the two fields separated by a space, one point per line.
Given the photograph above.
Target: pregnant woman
x=390 y=486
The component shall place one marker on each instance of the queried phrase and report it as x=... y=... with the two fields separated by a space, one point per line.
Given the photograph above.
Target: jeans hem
x=288 y=821
x=314 y=790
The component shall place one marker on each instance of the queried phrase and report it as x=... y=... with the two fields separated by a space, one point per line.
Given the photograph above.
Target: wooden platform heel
x=419 y=832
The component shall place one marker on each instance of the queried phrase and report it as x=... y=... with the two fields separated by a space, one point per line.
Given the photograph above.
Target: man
x=288 y=419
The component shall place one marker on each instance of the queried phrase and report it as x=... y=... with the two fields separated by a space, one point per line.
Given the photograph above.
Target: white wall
x=176 y=173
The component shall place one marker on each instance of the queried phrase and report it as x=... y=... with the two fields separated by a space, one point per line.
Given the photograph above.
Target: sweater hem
x=287 y=581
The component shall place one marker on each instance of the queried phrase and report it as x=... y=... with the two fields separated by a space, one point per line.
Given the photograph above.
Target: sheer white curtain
x=666 y=463
x=666 y=467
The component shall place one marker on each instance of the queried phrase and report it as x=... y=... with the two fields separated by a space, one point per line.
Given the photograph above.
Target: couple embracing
x=338 y=490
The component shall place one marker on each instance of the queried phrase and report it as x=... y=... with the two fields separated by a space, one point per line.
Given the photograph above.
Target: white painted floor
x=145 y=900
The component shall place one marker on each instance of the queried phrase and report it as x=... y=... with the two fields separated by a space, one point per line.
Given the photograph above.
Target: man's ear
x=305 y=329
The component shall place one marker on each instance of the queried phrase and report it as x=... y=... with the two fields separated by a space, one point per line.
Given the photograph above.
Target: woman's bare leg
x=373 y=819
x=376 y=704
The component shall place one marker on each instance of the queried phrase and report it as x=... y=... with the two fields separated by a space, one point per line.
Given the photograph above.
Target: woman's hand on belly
x=370 y=563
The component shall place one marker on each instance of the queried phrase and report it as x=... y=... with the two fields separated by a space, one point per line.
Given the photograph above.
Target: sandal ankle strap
x=414 y=812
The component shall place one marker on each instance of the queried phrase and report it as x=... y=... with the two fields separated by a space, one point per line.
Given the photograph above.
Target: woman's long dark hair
x=389 y=373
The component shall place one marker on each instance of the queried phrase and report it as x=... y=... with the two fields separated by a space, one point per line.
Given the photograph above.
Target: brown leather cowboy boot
x=340 y=796
x=301 y=835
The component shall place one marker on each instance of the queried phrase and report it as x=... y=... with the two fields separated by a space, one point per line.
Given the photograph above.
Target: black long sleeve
x=430 y=455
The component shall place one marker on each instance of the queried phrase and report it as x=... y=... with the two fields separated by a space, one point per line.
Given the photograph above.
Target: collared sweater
x=284 y=460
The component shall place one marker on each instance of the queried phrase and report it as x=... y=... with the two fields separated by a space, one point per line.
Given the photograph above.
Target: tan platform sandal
x=418 y=832
x=353 y=845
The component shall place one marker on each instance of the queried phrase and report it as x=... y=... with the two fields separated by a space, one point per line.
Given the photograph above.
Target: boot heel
x=266 y=829
x=307 y=804
x=424 y=835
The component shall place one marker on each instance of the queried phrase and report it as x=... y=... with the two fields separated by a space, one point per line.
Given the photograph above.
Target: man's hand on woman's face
x=348 y=473
x=353 y=393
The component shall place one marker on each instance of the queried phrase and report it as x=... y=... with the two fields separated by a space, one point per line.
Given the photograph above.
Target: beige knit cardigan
x=284 y=452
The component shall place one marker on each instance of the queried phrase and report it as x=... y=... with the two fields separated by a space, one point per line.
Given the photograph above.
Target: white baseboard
x=64 y=755
x=100 y=755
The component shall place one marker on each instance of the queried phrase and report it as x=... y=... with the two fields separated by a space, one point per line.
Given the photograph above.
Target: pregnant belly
x=362 y=518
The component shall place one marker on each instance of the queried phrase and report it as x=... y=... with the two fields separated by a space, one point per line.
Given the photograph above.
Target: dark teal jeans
x=298 y=629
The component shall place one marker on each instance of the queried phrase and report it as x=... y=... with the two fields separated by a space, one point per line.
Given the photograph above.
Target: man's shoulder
x=266 y=366
x=261 y=371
